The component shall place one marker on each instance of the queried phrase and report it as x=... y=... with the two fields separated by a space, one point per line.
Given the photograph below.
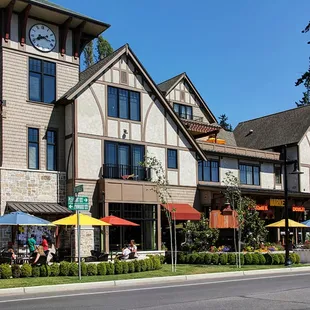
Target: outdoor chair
x=103 y=257
x=6 y=258
x=132 y=255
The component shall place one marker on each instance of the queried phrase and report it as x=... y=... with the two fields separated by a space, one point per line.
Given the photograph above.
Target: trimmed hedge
x=72 y=269
x=230 y=258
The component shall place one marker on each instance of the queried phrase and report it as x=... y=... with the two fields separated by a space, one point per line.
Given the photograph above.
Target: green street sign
x=77 y=203
x=79 y=189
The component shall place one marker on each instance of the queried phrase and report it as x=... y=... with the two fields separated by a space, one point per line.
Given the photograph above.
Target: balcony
x=190 y=117
x=126 y=172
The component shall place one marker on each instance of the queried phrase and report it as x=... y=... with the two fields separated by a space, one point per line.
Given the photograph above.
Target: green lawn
x=165 y=271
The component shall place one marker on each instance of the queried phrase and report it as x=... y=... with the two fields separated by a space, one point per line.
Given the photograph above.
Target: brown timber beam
x=64 y=29
x=23 y=19
x=8 y=17
x=77 y=34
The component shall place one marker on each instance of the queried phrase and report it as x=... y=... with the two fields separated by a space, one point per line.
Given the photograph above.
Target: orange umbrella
x=117 y=221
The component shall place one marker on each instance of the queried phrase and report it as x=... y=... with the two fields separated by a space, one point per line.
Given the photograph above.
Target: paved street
x=254 y=292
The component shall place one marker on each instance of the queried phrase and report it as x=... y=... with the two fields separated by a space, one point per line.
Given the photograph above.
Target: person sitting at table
x=133 y=248
x=13 y=254
x=37 y=254
x=125 y=253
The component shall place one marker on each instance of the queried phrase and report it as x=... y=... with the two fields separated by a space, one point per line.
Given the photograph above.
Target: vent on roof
x=182 y=95
x=124 y=77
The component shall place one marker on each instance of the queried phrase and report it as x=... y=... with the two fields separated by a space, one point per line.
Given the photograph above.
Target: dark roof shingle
x=166 y=85
x=273 y=130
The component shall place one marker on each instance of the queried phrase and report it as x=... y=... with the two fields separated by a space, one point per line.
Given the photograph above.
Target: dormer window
x=184 y=111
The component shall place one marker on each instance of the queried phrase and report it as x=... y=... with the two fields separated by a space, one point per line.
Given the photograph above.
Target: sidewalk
x=146 y=281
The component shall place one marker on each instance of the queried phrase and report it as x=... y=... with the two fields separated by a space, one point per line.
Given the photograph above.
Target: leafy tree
x=304 y=80
x=198 y=236
x=103 y=47
x=223 y=122
x=89 y=54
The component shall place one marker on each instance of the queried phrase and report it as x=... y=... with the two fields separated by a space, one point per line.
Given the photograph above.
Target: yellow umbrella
x=85 y=220
x=291 y=223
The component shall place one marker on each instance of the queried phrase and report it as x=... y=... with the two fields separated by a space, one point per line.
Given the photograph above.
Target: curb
x=120 y=283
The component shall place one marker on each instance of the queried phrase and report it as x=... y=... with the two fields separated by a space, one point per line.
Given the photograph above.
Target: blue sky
x=243 y=56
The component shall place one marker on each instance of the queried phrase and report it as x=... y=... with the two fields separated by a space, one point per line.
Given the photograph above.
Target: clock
x=42 y=38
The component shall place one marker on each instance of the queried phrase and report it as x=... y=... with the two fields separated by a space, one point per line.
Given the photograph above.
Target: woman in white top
x=133 y=247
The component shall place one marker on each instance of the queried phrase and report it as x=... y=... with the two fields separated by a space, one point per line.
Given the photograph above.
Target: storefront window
x=145 y=235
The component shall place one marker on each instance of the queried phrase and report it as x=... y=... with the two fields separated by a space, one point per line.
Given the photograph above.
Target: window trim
x=38 y=129
x=251 y=165
x=275 y=175
x=129 y=104
x=176 y=159
x=42 y=74
x=218 y=170
x=55 y=150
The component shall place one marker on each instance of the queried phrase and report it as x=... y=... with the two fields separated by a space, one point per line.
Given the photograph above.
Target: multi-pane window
x=249 y=174
x=42 y=80
x=278 y=174
x=51 y=151
x=123 y=103
x=208 y=171
x=172 y=159
x=184 y=111
x=33 y=148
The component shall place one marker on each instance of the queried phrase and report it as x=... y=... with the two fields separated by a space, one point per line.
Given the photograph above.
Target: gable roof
x=228 y=136
x=167 y=86
x=90 y=75
x=274 y=130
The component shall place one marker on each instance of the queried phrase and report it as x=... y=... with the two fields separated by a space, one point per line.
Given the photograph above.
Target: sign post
x=77 y=203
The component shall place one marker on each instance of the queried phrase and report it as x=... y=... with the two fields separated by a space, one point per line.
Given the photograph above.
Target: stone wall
x=31 y=186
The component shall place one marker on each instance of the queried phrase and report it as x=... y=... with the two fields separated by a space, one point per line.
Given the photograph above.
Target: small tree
x=161 y=189
x=223 y=122
x=89 y=54
x=103 y=47
x=198 y=236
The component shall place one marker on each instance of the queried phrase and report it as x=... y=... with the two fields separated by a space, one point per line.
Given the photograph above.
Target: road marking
x=150 y=288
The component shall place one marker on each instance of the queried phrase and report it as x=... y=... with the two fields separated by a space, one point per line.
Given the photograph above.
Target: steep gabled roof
x=167 y=86
x=90 y=75
x=273 y=130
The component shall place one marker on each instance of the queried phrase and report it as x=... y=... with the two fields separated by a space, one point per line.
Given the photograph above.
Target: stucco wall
x=304 y=160
x=226 y=165
x=267 y=179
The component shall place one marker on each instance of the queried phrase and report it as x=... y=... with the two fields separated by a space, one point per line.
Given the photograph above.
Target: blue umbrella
x=23 y=219
x=307 y=223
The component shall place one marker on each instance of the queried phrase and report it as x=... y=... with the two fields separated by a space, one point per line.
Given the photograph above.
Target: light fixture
x=125 y=131
x=296 y=170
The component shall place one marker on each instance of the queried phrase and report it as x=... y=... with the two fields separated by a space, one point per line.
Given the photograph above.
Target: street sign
x=79 y=189
x=77 y=203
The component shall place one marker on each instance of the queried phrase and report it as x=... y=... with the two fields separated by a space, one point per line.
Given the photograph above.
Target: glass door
x=124 y=160
x=137 y=158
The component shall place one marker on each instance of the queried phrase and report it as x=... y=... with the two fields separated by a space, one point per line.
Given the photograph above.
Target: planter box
x=304 y=255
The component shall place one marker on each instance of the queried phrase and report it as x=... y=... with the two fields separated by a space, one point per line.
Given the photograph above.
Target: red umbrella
x=117 y=221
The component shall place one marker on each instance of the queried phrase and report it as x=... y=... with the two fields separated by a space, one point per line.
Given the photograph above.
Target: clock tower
x=40 y=48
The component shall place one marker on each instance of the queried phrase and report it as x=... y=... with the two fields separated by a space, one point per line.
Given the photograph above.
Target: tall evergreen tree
x=89 y=54
x=103 y=47
x=223 y=122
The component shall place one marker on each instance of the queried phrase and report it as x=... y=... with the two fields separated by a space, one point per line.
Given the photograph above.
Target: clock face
x=42 y=38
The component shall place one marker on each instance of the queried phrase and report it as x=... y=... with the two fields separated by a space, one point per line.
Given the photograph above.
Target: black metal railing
x=190 y=117
x=126 y=172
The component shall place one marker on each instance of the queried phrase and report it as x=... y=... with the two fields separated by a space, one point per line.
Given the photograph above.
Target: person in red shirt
x=45 y=245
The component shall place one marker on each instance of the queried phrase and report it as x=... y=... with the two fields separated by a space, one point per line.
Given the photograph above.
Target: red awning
x=182 y=211
x=117 y=221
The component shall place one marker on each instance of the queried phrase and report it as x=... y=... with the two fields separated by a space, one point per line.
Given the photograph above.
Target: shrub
x=200 y=259
x=131 y=267
x=92 y=269
x=5 y=271
x=282 y=258
x=26 y=271
x=15 y=271
x=269 y=259
x=148 y=264
x=276 y=259
x=137 y=266
x=223 y=259
x=45 y=271
x=83 y=269
x=208 y=258
x=118 y=267
x=35 y=271
x=297 y=258
x=187 y=258
x=248 y=259
x=262 y=259
x=255 y=259
x=55 y=270
x=126 y=267
x=162 y=259
x=151 y=262
x=143 y=265
x=242 y=259
x=73 y=269
x=231 y=258
x=215 y=259
x=110 y=268
x=64 y=268
x=193 y=257
x=292 y=258
x=156 y=263
x=102 y=269
x=181 y=258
